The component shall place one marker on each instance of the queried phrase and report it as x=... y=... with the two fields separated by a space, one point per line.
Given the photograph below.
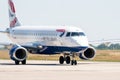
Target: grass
x=107 y=55
x=101 y=55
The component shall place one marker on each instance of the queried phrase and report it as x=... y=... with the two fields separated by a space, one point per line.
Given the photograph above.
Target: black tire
x=72 y=62
x=75 y=62
x=68 y=60
x=61 y=60
x=24 y=61
x=17 y=62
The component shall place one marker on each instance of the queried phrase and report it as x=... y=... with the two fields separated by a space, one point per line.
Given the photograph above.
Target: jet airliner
x=70 y=41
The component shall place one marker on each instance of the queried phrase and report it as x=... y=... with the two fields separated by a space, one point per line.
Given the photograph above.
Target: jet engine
x=18 y=53
x=89 y=53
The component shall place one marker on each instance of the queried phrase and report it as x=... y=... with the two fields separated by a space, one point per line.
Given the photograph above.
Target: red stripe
x=12 y=6
x=12 y=23
x=60 y=30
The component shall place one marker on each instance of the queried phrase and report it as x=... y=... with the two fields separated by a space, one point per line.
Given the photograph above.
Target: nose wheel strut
x=73 y=61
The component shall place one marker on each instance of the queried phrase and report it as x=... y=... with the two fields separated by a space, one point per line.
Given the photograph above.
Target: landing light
x=40 y=47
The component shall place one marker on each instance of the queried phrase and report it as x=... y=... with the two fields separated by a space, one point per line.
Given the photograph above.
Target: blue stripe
x=58 y=49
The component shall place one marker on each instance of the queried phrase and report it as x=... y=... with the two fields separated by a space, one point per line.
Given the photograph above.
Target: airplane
x=69 y=41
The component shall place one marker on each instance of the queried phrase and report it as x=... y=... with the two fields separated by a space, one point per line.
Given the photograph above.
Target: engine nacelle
x=89 y=53
x=18 y=53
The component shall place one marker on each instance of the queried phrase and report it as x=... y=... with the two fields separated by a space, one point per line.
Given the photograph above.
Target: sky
x=100 y=19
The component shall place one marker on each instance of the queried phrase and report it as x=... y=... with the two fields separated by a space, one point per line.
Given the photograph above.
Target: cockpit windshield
x=68 y=34
x=74 y=34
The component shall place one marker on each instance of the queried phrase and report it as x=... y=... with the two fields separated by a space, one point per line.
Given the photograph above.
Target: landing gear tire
x=17 y=62
x=61 y=60
x=73 y=62
x=68 y=60
x=24 y=61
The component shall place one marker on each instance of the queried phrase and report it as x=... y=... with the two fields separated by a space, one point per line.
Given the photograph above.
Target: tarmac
x=52 y=70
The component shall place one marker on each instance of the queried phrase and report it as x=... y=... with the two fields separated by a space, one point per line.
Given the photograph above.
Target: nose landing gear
x=73 y=61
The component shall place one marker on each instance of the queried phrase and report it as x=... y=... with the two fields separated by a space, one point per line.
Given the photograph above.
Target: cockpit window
x=77 y=34
x=68 y=34
x=81 y=34
x=72 y=34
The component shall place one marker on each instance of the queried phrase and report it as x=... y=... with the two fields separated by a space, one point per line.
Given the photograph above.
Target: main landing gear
x=18 y=62
x=62 y=59
x=68 y=59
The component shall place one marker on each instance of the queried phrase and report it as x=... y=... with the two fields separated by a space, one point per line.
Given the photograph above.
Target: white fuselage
x=49 y=35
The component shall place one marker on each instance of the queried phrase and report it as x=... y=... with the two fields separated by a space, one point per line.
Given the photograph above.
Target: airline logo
x=12 y=23
x=13 y=19
x=12 y=16
x=62 y=31
x=11 y=6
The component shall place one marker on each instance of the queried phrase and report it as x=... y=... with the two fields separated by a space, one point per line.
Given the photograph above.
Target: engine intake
x=18 y=53
x=88 y=54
